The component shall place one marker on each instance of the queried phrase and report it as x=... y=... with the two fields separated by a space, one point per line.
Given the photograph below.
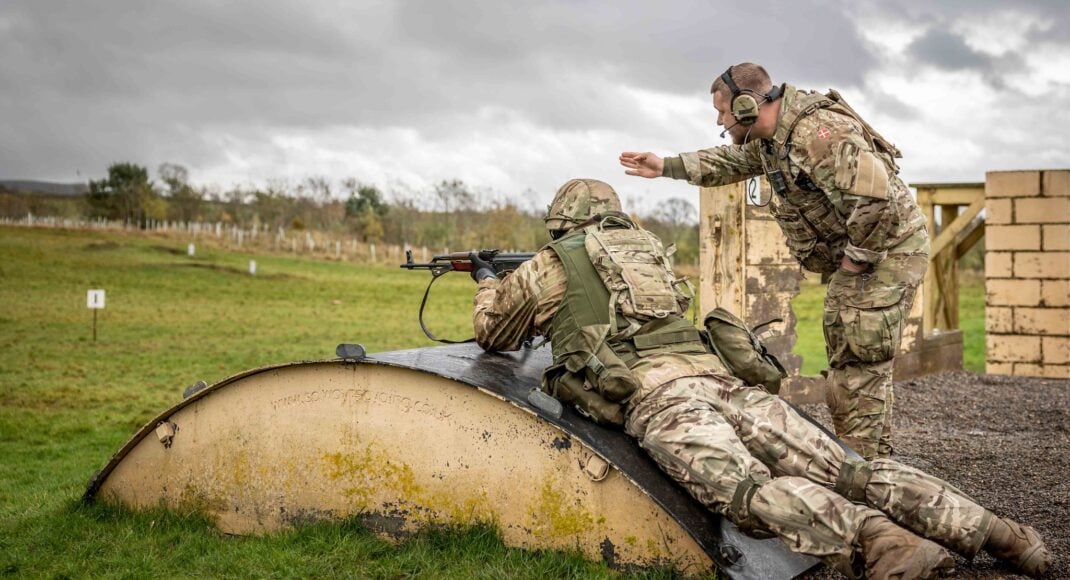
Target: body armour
x=622 y=305
x=812 y=218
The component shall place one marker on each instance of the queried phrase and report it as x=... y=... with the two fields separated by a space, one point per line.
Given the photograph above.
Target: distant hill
x=47 y=187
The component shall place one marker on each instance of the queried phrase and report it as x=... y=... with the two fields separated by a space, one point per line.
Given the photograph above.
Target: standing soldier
x=603 y=292
x=844 y=212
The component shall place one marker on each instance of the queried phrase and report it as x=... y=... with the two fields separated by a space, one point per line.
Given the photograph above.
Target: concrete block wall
x=1027 y=273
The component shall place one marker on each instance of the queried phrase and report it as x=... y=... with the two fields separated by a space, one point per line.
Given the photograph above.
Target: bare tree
x=185 y=200
x=677 y=213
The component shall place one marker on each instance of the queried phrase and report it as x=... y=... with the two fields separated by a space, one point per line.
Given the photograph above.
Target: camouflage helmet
x=577 y=200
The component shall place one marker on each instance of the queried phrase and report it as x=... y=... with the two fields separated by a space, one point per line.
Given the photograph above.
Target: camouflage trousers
x=863 y=322
x=747 y=455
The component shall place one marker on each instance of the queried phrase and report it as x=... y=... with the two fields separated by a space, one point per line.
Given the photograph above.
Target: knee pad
x=853 y=479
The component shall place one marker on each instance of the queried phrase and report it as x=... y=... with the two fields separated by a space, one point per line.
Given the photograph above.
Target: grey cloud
x=925 y=12
x=86 y=84
x=946 y=50
x=892 y=105
x=941 y=15
x=949 y=51
x=942 y=47
x=406 y=62
x=673 y=48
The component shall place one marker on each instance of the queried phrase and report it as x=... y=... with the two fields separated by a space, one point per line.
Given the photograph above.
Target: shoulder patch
x=820 y=133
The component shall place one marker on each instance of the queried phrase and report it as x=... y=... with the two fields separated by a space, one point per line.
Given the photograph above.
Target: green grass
x=809 y=338
x=972 y=322
x=67 y=403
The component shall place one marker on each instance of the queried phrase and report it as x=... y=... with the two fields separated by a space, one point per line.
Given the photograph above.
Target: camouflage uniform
x=740 y=450
x=837 y=194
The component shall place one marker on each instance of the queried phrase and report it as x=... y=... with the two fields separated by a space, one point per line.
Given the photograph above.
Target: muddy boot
x=893 y=552
x=1019 y=545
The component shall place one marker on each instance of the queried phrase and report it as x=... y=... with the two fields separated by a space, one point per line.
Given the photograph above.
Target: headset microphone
x=726 y=129
x=745 y=107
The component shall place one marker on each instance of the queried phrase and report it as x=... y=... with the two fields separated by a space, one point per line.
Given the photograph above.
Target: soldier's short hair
x=747 y=75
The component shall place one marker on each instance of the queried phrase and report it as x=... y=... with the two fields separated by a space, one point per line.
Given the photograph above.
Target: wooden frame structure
x=958 y=232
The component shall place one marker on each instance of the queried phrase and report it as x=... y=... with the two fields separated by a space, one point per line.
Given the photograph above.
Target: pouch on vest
x=588 y=355
x=571 y=388
x=741 y=351
x=636 y=270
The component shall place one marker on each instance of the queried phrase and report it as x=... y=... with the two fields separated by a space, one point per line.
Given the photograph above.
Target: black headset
x=745 y=107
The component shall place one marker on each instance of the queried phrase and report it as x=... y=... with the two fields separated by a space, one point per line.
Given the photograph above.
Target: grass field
x=67 y=402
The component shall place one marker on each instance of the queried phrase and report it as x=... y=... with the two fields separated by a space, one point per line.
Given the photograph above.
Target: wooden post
x=930 y=293
x=722 y=239
x=948 y=214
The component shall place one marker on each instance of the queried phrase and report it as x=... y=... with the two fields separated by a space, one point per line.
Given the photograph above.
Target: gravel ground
x=1005 y=441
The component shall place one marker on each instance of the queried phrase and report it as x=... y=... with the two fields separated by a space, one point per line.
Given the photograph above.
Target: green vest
x=595 y=347
x=586 y=300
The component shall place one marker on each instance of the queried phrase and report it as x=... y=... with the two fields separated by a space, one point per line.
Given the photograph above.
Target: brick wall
x=1027 y=273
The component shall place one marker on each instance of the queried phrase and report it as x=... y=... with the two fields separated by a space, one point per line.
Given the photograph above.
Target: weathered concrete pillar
x=746 y=269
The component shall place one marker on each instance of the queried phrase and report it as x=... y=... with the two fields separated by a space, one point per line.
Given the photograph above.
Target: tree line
x=450 y=214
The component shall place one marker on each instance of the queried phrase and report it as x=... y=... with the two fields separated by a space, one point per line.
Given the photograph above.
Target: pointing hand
x=645 y=164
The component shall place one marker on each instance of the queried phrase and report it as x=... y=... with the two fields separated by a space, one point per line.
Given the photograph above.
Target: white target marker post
x=94 y=300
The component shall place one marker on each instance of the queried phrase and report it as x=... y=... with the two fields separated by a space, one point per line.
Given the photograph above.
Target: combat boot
x=893 y=552
x=1020 y=545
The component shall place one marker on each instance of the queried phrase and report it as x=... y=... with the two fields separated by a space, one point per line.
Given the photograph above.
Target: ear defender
x=745 y=107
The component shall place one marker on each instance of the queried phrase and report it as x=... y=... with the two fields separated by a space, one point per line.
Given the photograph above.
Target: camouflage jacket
x=522 y=306
x=840 y=190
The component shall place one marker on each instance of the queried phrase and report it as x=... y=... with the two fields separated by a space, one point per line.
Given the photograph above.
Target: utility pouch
x=777 y=181
x=588 y=355
x=609 y=375
x=571 y=388
x=741 y=351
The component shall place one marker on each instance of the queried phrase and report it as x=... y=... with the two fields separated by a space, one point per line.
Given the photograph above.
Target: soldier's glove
x=480 y=268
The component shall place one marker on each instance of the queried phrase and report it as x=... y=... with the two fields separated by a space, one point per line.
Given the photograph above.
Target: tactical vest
x=816 y=231
x=622 y=303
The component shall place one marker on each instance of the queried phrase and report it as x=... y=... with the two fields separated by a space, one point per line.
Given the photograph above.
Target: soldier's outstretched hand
x=642 y=164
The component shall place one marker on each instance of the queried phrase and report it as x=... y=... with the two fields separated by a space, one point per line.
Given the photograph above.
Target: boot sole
x=1035 y=561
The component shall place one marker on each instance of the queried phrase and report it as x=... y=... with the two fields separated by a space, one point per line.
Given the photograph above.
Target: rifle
x=502 y=263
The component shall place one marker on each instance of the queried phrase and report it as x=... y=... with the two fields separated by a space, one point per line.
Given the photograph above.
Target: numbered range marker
x=95 y=299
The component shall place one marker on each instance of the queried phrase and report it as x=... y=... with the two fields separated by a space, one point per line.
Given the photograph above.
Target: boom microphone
x=727 y=128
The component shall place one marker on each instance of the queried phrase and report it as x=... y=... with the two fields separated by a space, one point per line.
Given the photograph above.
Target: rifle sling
x=423 y=326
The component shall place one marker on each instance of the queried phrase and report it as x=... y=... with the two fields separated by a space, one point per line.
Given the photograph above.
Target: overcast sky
x=513 y=98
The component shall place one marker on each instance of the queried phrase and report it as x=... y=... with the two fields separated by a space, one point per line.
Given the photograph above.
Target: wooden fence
x=258 y=239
